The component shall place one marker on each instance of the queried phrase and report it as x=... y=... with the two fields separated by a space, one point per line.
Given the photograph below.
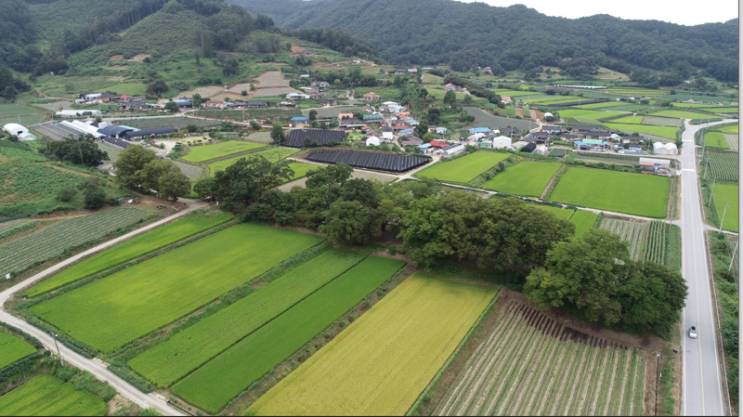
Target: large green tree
x=247 y=179
x=131 y=161
x=172 y=185
x=80 y=151
x=352 y=223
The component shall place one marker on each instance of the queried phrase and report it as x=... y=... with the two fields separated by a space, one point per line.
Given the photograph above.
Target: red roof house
x=439 y=144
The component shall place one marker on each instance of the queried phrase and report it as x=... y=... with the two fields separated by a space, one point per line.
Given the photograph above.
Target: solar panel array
x=297 y=137
x=119 y=143
x=369 y=160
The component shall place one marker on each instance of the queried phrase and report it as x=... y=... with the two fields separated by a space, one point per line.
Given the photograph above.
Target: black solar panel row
x=119 y=143
x=369 y=160
x=320 y=137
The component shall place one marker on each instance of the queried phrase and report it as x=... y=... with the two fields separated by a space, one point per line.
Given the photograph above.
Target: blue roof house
x=479 y=130
x=299 y=119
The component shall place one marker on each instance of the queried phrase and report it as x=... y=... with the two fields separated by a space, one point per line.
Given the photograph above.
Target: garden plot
x=272 y=155
x=494 y=122
x=721 y=166
x=732 y=141
x=387 y=357
x=662 y=121
x=21 y=254
x=13 y=349
x=46 y=395
x=111 y=312
x=209 y=152
x=527 y=178
x=655 y=245
x=463 y=169
x=638 y=194
x=132 y=248
x=631 y=232
x=532 y=365
x=193 y=172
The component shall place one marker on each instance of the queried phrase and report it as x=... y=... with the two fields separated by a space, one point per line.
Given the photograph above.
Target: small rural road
x=703 y=392
x=95 y=367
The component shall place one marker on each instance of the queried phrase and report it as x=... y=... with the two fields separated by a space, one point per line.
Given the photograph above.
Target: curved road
x=703 y=392
x=94 y=366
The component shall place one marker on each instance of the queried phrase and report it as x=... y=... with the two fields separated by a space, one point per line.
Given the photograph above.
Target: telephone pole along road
x=702 y=386
x=95 y=367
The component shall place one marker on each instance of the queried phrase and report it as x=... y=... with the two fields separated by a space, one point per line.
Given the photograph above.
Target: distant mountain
x=732 y=22
x=466 y=35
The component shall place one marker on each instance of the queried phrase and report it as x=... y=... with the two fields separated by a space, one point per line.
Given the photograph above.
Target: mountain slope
x=475 y=34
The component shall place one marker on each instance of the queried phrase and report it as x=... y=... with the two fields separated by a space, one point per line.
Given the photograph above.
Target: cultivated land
x=601 y=105
x=272 y=155
x=172 y=360
x=48 y=396
x=583 y=221
x=14 y=110
x=118 y=309
x=662 y=131
x=716 y=140
x=464 y=169
x=727 y=194
x=631 y=232
x=131 y=249
x=213 y=385
x=527 y=178
x=384 y=360
x=588 y=114
x=300 y=170
x=662 y=121
x=209 y=152
x=533 y=365
x=13 y=349
x=720 y=166
x=680 y=114
x=642 y=195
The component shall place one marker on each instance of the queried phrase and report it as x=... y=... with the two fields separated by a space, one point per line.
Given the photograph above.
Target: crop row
x=732 y=140
x=48 y=396
x=721 y=166
x=630 y=232
x=532 y=365
x=655 y=246
x=28 y=251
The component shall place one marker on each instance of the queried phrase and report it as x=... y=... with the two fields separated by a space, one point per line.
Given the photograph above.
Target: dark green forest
x=467 y=35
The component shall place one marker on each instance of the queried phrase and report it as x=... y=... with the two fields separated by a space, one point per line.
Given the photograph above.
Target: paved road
x=94 y=366
x=703 y=392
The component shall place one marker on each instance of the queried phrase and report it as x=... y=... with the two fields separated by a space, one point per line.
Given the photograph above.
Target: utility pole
x=732 y=257
x=723 y=216
x=59 y=352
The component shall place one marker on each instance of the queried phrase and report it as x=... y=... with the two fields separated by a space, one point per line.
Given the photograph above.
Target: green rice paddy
x=13 y=349
x=662 y=131
x=727 y=194
x=209 y=152
x=589 y=114
x=111 y=312
x=732 y=129
x=679 y=114
x=48 y=396
x=642 y=195
x=527 y=178
x=583 y=221
x=464 y=169
x=301 y=170
x=601 y=105
x=716 y=140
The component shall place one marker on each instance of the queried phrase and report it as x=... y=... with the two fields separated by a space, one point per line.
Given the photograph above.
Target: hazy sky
x=683 y=12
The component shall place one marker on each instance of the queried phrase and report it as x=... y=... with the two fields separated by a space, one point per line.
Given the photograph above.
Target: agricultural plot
x=679 y=114
x=561 y=214
x=14 y=110
x=583 y=221
x=382 y=362
x=721 y=166
x=172 y=360
x=240 y=115
x=732 y=141
x=46 y=395
x=25 y=155
x=532 y=365
x=151 y=294
x=193 y=172
x=132 y=89
x=527 y=178
x=209 y=152
x=495 y=122
x=465 y=168
x=638 y=91
x=726 y=194
x=7 y=226
x=112 y=151
x=661 y=131
x=601 y=105
x=173 y=122
x=733 y=129
x=272 y=155
x=366 y=175
x=589 y=114
x=716 y=140
x=642 y=195
x=631 y=232
x=662 y=121
x=655 y=245
x=213 y=385
x=133 y=248
x=300 y=170
x=32 y=188
x=332 y=112
x=260 y=137
x=21 y=254
x=13 y=349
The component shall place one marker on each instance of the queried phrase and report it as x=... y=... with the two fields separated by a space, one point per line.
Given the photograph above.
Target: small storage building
x=452 y=150
x=14 y=129
x=502 y=142
x=372 y=141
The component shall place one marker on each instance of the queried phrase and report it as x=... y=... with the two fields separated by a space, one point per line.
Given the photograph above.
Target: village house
x=371 y=96
x=328 y=101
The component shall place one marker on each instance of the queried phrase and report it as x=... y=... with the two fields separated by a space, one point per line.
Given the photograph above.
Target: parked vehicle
x=693 y=332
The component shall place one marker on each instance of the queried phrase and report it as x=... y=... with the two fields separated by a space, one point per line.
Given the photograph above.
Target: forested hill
x=464 y=35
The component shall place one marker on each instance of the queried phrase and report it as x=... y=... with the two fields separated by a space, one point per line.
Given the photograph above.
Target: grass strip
x=220 y=380
x=138 y=246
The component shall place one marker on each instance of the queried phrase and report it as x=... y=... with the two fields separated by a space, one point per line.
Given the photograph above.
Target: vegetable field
x=13 y=349
x=526 y=178
x=239 y=115
x=642 y=195
x=732 y=140
x=111 y=312
x=679 y=114
x=14 y=110
x=589 y=114
x=131 y=249
x=465 y=168
x=208 y=152
x=174 y=122
x=532 y=365
x=273 y=155
x=48 y=396
x=662 y=121
x=655 y=246
x=172 y=360
x=24 y=253
x=662 y=131
x=720 y=166
x=222 y=379
x=387 y=357
x=32 y=188
x=631 y=232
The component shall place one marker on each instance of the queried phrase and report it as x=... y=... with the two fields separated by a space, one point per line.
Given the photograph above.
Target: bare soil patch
x=297 y=48
x=117 y=67
x=115 y=58
x=269 y=92
x=138 y=58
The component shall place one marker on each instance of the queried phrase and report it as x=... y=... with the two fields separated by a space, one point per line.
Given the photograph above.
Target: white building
x=501 y=142
x=452 y=150
x=657 y=163
x=15 y=129
x=660 y=148
x=476 y=137
x=372 y=141
x=73 y=113
x=388 y=136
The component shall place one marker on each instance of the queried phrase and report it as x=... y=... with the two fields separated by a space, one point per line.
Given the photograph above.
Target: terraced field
x=630 y=232
x=532 y=365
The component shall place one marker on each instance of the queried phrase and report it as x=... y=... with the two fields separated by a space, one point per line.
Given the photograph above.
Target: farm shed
x=146 y=133
x=412 y=122
x=551 y=129
x=14 y=129
x=541 y=149
x=510 y=131
x=370 y=117
x=299 y=119
x=441 y=130
x=452 y=150
x=118 y=143
x=372 y=141
x=661 y=148
x=439 y=144
x=257 y=104
x=296 y=138
x=412 y=140
x=388 y=136
x=657 y=163
x=580 y=145
x=406 y=131
x=476 y=136
x=529 y=148
x=115 y=130
x=483 y=130
x=73 y=113
x=501 y=142
x=370 y=160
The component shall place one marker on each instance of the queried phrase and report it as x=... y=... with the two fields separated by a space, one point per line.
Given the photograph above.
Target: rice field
x=716 y=140
x=272 y=155
x=382 y=362
x=209 y=152
x=13 y=349
x=662 y=121
x=589 y=114
x=533 y=365
x=631 y=232
x=601 y=105
x=528 y=178
x=222 y=379
x=727 y=194
x=662 y=131
x=583 y=221
x=463 y=169
x=728 y=129
x=113 y=311
x=133 y=248
x=642 y=195
x=48 y=396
